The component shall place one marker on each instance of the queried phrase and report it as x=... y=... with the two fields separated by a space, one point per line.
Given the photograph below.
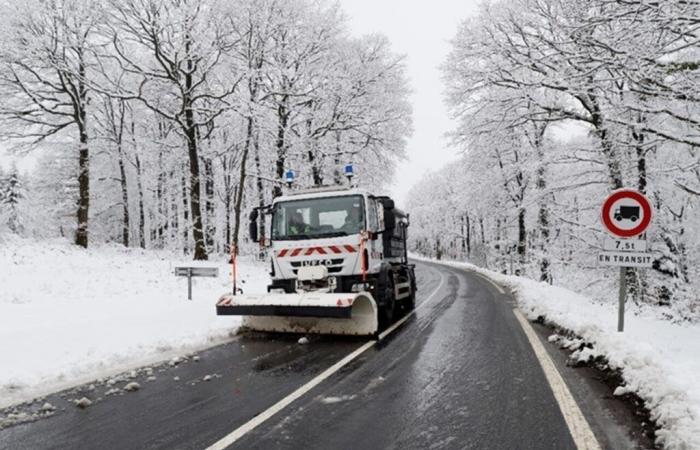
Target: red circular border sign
x=639 y=198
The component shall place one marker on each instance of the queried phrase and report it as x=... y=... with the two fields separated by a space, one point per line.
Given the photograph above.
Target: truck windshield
x=318 y=217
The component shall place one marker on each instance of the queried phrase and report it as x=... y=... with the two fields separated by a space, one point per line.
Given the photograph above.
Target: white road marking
x=578 y=425
x=318 y=379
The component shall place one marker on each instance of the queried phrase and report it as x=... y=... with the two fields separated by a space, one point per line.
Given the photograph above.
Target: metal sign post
x=621 y=300
x=189 y=272
x=626 y=215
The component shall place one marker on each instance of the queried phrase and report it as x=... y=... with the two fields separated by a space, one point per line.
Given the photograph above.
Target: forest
x=160 y=123
x=557 y=103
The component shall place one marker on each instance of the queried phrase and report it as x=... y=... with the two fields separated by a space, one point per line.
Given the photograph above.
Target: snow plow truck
x=338 y=264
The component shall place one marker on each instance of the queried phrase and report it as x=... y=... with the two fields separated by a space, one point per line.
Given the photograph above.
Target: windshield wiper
x=296 y=237
x=332 y=234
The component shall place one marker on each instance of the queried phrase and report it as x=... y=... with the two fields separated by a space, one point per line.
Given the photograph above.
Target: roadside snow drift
x=69 y=315
x=659 y=360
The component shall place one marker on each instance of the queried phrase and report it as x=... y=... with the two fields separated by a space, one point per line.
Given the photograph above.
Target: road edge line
x=573 y=416
x=253 y=423
x=579 y=428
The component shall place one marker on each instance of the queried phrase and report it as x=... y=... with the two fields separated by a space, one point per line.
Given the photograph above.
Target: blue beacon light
x=289 y=177
x=349 y=171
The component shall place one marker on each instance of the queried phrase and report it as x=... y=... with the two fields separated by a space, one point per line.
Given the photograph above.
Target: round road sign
x=626 y=213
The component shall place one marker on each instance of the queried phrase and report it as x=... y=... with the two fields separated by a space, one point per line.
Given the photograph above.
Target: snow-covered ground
x=659 y=360
x=69 y=315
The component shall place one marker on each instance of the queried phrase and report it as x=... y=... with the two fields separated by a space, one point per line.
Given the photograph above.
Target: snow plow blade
x=351 y=314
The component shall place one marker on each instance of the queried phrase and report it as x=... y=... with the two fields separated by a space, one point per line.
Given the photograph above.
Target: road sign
x=212 y=272
x=195 y=271
x=625 y=259
x=625 y=245
x=626 y=213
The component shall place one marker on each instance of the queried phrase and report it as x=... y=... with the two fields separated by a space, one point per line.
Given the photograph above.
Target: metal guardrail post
x=189 y=283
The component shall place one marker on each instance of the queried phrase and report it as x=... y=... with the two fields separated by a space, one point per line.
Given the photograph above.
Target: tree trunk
x=543 y=211
x=186 y=215
x=125 y=195
x=161 y=215
x=139 y=186
x=463 y=237
x=200 y=249
x=522 y=237
x=142 y=214
x=613 y=162
x=209 y=203
x=259 y=182
x=469 y=236
x=641 y=162
x=174 y=208
x=280 y=145
x=481 y=226
x=81 y=234
x=241 y=185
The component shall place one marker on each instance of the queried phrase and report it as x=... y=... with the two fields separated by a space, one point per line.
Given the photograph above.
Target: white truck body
x=331 y=269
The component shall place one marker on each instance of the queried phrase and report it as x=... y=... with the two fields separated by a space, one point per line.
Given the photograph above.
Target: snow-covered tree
x=46 y=60
x=11 y=195
x=586 y=97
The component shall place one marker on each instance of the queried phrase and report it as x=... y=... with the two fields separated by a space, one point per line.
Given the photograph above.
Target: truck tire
x=387 y=309
x=410 y=302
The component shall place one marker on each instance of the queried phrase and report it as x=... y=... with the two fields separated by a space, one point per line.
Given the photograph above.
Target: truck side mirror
x=388 y=203
x=253 y=226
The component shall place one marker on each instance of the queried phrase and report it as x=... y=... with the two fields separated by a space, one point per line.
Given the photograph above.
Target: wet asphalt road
x=460 y=373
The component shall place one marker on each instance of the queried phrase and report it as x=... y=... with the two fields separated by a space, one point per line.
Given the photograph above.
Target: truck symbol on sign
x=627 y=212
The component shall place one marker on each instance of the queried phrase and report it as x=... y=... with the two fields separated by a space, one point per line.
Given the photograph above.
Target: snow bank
x=69 y=315
x=659 y=360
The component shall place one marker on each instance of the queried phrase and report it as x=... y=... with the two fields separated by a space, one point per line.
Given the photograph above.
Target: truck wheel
x=410 y=302
x=633 y=218
x=386 y=312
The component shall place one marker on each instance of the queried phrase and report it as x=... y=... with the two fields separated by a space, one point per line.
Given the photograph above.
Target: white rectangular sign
x=625 y=259
x=625 y=245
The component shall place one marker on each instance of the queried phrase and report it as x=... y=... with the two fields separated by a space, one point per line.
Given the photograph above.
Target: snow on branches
x=558 y=102
x=174 y=117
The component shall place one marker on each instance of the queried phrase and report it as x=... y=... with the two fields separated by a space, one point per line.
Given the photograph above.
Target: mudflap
x=335 y=313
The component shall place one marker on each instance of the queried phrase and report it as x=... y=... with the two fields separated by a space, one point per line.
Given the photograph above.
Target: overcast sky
x=420 y=30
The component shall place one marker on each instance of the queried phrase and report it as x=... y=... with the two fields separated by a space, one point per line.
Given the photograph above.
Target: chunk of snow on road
x=83 y=402
x=303 y=340
x=47 y=407
x=621 y=390
x=98 y=312
x=207 y=378
x=131 y=387
x=331 y=400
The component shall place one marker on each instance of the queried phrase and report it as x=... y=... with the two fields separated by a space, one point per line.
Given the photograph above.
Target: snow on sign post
x=626 y=215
